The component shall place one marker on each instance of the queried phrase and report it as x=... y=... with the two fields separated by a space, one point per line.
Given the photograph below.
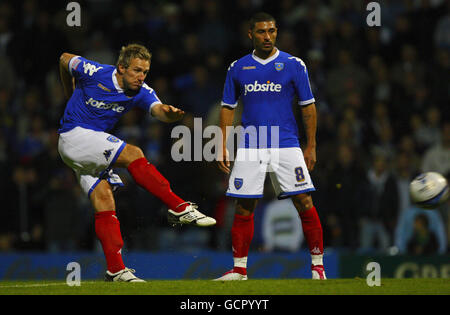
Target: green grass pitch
x=235 y=288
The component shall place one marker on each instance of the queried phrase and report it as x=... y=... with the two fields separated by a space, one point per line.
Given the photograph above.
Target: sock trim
x=317 y=260
x=240 y=262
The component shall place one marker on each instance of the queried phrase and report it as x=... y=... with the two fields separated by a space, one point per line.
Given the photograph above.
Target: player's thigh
x=88 y=151
x=102 y=197
x=289 y=173
x=129 y=154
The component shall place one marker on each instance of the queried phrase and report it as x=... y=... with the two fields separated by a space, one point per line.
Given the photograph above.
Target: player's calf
x=312 y=229
x=107 y=229
x=147 y=176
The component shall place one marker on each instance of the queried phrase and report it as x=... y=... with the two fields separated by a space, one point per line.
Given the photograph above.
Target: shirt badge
x=279 y=66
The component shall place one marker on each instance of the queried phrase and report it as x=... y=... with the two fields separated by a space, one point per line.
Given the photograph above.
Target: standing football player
x=266 y=81
x=98 y=96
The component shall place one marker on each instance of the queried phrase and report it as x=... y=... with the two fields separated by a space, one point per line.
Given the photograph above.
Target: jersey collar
x=266 y=61
x=116 y=84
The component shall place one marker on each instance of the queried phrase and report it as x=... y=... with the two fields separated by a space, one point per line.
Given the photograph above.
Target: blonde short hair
x=131 y=51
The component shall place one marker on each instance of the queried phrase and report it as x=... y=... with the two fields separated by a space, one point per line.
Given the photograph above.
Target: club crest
x=279 y=66
x=112 y=139
x=238 y=182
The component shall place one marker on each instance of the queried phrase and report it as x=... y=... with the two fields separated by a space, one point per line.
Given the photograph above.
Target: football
x=429 y=190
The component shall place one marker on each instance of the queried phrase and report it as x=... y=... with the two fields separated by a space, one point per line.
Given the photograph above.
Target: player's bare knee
x=135 y=152
x=102 y=197
x=245 y=206
x=302 y=202
x=129 y=154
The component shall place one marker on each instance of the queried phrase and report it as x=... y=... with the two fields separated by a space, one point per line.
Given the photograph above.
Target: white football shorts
x=287 y=168
x=91 y=154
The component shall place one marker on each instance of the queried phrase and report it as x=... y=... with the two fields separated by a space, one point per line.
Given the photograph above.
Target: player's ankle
x=240 y=270
x=181 y=207
x=317 y=260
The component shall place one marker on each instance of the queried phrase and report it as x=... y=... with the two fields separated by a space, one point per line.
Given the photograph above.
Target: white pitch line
x=34 y=285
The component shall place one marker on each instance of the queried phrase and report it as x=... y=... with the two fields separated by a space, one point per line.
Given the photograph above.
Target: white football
x=429 y=190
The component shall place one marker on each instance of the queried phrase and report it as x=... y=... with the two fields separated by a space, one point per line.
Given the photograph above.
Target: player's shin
x=107 y=228
x=147 y=176
x=241 y=237
x=312 y=230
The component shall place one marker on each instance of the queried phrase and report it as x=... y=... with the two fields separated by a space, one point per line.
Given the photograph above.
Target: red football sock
x=241 y=237
x=107 y=228
x=147 y=176
x=312 y=229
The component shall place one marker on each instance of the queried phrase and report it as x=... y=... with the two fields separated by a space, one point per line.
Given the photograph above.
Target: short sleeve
x=231 y=89
x=301 y=82
x=83 y=69
x=148 y=98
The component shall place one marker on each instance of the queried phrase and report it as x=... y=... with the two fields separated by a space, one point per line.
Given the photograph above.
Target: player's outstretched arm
x=309 y=116
x=167 y=113
x=67 y=80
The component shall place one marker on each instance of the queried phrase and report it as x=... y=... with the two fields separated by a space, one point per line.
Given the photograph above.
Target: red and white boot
x=232 y=275
x=318 y=272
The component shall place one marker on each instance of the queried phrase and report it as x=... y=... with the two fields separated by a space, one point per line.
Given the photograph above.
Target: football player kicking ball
x=266 y=81
x=98 y=96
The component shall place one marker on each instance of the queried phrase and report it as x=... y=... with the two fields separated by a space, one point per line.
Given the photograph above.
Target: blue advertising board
x=162 y=265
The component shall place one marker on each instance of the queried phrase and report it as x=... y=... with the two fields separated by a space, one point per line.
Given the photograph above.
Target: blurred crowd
x=383 y=116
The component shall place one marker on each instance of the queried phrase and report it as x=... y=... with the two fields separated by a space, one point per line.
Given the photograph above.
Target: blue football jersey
x=98 y=102
x=267 y=88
